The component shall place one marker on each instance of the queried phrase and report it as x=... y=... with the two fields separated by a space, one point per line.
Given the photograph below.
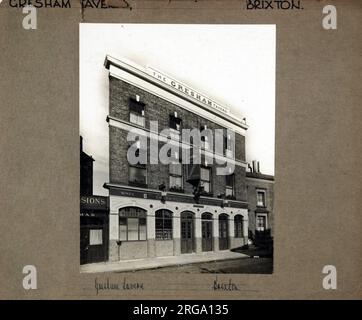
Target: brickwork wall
x=157 y=109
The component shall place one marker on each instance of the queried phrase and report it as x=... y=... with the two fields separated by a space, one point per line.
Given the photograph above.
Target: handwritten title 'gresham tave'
x=95 y=4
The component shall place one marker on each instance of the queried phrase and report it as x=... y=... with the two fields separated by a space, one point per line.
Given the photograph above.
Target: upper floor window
x=205 y=138
x=205 y=175
x=175 y=122
x=228 y=146
x=137 y=112
x=205 y=142
x=230 y=183
x=261 y=222
x=138 y=175
x=260 y=198
x=137 y=172
x=176 y=176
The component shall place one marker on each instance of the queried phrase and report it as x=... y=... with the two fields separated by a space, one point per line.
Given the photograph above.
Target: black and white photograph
x=182 y=156
x=177 y=148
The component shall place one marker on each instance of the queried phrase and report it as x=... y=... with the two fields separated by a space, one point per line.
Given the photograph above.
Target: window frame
x=132 y=102
x=140 y=216
x=174 y=175
x=238 y=221
x=177 y=121
x=210 y=178
x=228 y=153
x=163 y=229
x=136 y=183
x=232 y=187
x=265 y=215
x=92 y=238
x=205 y=143
x=137 y=166
x=263 y=191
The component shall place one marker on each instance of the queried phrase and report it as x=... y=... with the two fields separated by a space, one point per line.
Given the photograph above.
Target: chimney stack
x=255 y=166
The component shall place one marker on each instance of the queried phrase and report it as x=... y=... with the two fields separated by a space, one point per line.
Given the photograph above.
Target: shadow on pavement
x=254 y=251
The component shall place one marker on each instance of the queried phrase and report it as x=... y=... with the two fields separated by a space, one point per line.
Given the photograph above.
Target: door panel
x=93 y=243
x=206 y=235
x=187 y=233
x=223 y=232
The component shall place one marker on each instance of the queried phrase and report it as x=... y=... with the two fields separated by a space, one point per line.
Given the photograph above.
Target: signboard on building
x=94 y=203
x=186 y=90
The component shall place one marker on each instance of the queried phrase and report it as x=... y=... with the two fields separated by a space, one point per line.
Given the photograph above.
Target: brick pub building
x=154 y=210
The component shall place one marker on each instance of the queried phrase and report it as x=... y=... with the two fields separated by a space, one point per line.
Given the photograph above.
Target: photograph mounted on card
x=179 y=138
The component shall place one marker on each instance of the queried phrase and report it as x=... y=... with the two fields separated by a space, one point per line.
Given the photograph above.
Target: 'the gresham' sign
x=186 y=90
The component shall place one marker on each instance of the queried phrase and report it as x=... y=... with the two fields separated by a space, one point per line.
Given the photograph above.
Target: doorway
x=206 y=232
x=187 y=232
x=93 y=239
x=223 y=231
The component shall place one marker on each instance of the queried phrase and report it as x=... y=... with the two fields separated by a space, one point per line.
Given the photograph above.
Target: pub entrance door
x=223 y=231
x=206 y=231
x=187 y=232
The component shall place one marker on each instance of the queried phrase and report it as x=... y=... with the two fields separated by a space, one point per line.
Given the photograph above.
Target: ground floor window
x=238 y=223
x=163 y=224
x=261 y=222
x=132 y=224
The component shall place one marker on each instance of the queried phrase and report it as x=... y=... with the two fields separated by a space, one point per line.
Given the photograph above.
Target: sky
x=232 y=64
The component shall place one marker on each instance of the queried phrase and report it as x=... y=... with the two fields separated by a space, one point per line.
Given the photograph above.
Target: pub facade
x=182 y=207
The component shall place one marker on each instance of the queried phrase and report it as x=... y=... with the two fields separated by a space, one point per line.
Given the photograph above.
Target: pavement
x=235 y=266
x=160 y=262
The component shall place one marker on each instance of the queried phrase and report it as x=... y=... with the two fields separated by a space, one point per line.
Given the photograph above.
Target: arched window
x=206 y=216
x=163 y=224
x=238 y=223
x=132 y=224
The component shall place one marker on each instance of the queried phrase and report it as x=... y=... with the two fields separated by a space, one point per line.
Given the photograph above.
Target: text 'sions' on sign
x=94 y=202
